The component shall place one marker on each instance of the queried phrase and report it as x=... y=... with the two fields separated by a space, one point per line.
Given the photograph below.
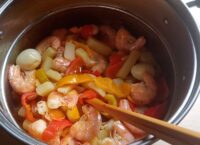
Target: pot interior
x=76 y=16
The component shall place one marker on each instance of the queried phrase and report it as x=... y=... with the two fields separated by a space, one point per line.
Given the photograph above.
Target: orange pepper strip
x=24 y=99
x=107 y=84
x=74 y=79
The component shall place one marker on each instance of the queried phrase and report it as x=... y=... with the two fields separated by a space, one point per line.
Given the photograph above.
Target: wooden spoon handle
x=171 y=133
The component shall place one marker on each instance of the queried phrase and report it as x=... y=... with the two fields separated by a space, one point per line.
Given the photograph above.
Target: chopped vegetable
x=110 y=87
x=73 y=114
x=156 y=111
x=65 y=89
x=116 y=62
x=130 y=61
x=88 y=31
x=112 y=70
x=37 y=128
x=26 y=123
x=49 y=52
x=41 y=75
x=53 y=75
x=45 y=88
x=88 y=94
x=139 y=69
x=46 y=65
x=99 y=46
x=22 y=112
x=56 y=114
x=75 y=79
x=69 y=52
x=83 y=46
x=53 y=128
x=93 y=86
x=75 y=66
x=111 y=99
x=29 y=59
x=85 y=57
x=24 y=100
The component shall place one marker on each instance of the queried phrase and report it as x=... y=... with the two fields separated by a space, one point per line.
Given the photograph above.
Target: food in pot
x=55 y=79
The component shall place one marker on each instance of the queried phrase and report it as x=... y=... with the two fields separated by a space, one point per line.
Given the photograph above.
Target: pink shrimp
x=60 y=64
x=21 y=82
x=70 y=100
x=123 y=132
x=108 y=35
x=125 y=41
x=100 y=65
x=51 y=41
x=124 y=104
x=88 y=126
x=144 y=92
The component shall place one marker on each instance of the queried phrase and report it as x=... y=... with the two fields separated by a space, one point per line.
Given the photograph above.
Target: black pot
x=168 y=26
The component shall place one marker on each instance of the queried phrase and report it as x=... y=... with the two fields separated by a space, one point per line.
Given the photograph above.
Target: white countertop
x=192 y=120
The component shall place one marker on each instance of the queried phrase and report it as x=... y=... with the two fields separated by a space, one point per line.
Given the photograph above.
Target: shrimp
x=125 y=41
x=21 y=82
x=60 y=51
x=143 y=93
x=121 y=134
x=51 y=41
x=70 y=100
x=56 y=100
x=67 y=140
x=100 y=65
x=108 y=141
x=60 y=64
x=108 y=35
x=124 y=104
x=88 y=126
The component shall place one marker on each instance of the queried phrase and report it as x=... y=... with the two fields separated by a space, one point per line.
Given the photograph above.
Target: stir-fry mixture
x=56 y=78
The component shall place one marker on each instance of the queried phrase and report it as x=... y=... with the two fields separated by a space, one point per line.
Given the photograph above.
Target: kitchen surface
x=191 y=121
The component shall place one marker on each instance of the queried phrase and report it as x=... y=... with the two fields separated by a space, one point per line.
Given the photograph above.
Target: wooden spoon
x=169 y=132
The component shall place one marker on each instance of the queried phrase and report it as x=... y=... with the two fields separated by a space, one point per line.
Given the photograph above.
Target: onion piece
x=99 y=47
x=128 y=64
x=84 y=55
x=45 y=88
x=69 y=52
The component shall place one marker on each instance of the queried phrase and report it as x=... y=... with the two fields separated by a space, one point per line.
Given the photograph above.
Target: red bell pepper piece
x=157 y=111
x=24 y=100
x=53 y=128
x=88 y=94
x=112 y=70
x=75 y=66
x=117 y=57
x=116 y=62
x=88 y=31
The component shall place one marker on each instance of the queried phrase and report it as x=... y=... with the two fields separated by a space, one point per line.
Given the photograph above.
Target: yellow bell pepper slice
x=109 y=86
x=111 y=99
x=73 y=114
x=75 y=79
x=41 y=75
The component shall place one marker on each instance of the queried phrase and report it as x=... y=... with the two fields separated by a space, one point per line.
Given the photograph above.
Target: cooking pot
x=170 y=31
